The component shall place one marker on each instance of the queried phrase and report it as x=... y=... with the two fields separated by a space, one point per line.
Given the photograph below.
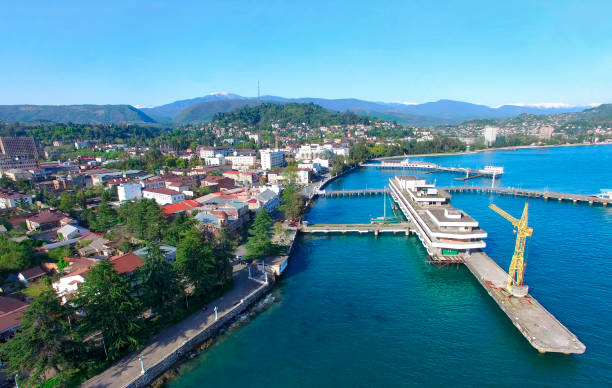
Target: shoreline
x=512 y=148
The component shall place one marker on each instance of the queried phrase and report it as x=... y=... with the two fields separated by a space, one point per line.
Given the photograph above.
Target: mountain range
x=429 y=113
x=202 y=109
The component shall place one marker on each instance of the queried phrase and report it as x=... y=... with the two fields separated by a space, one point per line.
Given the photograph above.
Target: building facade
x=272 y=158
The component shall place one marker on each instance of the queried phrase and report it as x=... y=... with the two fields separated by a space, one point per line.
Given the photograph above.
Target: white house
x=272 y=158
x=163 y=196
x=70 y=231
x=129 y=191
x=304 y=175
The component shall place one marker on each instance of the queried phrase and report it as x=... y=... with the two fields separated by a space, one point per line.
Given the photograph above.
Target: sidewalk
x=166 y=347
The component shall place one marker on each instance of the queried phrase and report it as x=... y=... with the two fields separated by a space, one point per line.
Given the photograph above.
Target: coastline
x=511 y=148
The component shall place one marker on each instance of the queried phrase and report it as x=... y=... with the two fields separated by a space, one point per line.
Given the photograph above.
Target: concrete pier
x=402 y=227
x=543 y=331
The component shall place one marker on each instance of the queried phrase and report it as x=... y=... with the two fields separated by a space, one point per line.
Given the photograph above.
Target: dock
x=432 y=167
x=546 y=195
x=543 y=331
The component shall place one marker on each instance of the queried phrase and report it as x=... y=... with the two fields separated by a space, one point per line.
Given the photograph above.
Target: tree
x=180 y=225
x=259 y=244
x=293 y=203
x=106 y=300
x=338 y=164
x=160 y=284
x=43 y=342
x=290 y=174
x=196 y=263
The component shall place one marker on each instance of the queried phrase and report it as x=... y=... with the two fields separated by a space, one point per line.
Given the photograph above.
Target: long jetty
x=432 y=167
x=546 y=195
x=350 y=193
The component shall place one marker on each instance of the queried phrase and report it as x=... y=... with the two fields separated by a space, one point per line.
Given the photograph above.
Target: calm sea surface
x=363 y=311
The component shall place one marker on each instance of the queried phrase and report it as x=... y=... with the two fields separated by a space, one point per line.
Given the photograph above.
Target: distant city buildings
x=18 y=153
x=272 y=158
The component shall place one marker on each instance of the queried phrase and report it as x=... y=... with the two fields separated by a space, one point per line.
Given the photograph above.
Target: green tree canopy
x=44 y=341
x=106 y=299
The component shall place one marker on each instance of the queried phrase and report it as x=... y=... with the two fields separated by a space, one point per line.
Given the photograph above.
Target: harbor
x=341 y=288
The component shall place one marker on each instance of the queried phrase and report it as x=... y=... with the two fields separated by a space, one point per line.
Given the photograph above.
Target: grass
x=34 y=289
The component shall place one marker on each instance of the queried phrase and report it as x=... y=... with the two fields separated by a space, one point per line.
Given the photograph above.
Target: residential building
x=126 y=263
x=129 y=191
x=217 y=182
x=272 y=158
x=11 y=199
x=30 y=275
x=70 y=231
x=546 y=131
x=163 y=196
x=18 y=153
x=45 y=220
x=11 y=311
x=168 y=251
x=490 y=134
x=241 y=161
x=211 y=152
x=304 y=175
x=74 y=274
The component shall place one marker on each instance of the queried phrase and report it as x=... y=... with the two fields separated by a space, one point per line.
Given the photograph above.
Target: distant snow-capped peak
x=540 y=105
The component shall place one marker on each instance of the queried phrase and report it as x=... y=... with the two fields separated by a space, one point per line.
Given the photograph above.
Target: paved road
x=167 y=341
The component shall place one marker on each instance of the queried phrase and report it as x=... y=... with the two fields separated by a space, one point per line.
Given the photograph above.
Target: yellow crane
x=517 y=265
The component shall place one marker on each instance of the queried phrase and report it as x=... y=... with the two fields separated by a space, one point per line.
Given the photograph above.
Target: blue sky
x=154 y=52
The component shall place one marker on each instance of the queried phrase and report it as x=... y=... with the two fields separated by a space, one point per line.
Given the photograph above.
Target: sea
x=363 y=311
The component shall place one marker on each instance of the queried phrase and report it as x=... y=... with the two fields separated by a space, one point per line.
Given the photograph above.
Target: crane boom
x=504 y=214
x=517 y=265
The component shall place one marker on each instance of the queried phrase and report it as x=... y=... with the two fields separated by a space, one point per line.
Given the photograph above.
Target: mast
x=385 y=203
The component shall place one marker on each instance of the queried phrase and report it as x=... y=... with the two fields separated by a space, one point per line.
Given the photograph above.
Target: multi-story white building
x=129 y=191
x=210 y=152
x=163 y=196
x=490 y=134
x=443 y=230
x=312 y=151
x=272 y=158
x=240 y=161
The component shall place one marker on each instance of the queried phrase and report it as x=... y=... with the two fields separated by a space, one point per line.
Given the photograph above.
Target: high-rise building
x=490 y=134
x=18 y=153
x=272 y=158
x=546 y=132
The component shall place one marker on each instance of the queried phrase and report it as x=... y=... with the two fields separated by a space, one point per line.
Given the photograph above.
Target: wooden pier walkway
x=575 y=198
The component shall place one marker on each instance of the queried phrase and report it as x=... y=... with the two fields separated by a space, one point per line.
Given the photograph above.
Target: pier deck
x=543 y=331
x=575 y=198
x=402 y=227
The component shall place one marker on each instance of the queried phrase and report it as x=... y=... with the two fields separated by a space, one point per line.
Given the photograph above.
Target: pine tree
x=160 y=284
x=106 y=299
x=44 y=341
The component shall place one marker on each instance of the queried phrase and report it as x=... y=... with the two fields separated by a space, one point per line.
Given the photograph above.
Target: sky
x=149 y=53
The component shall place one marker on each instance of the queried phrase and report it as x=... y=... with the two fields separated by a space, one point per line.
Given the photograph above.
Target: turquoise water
x=357 y=310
